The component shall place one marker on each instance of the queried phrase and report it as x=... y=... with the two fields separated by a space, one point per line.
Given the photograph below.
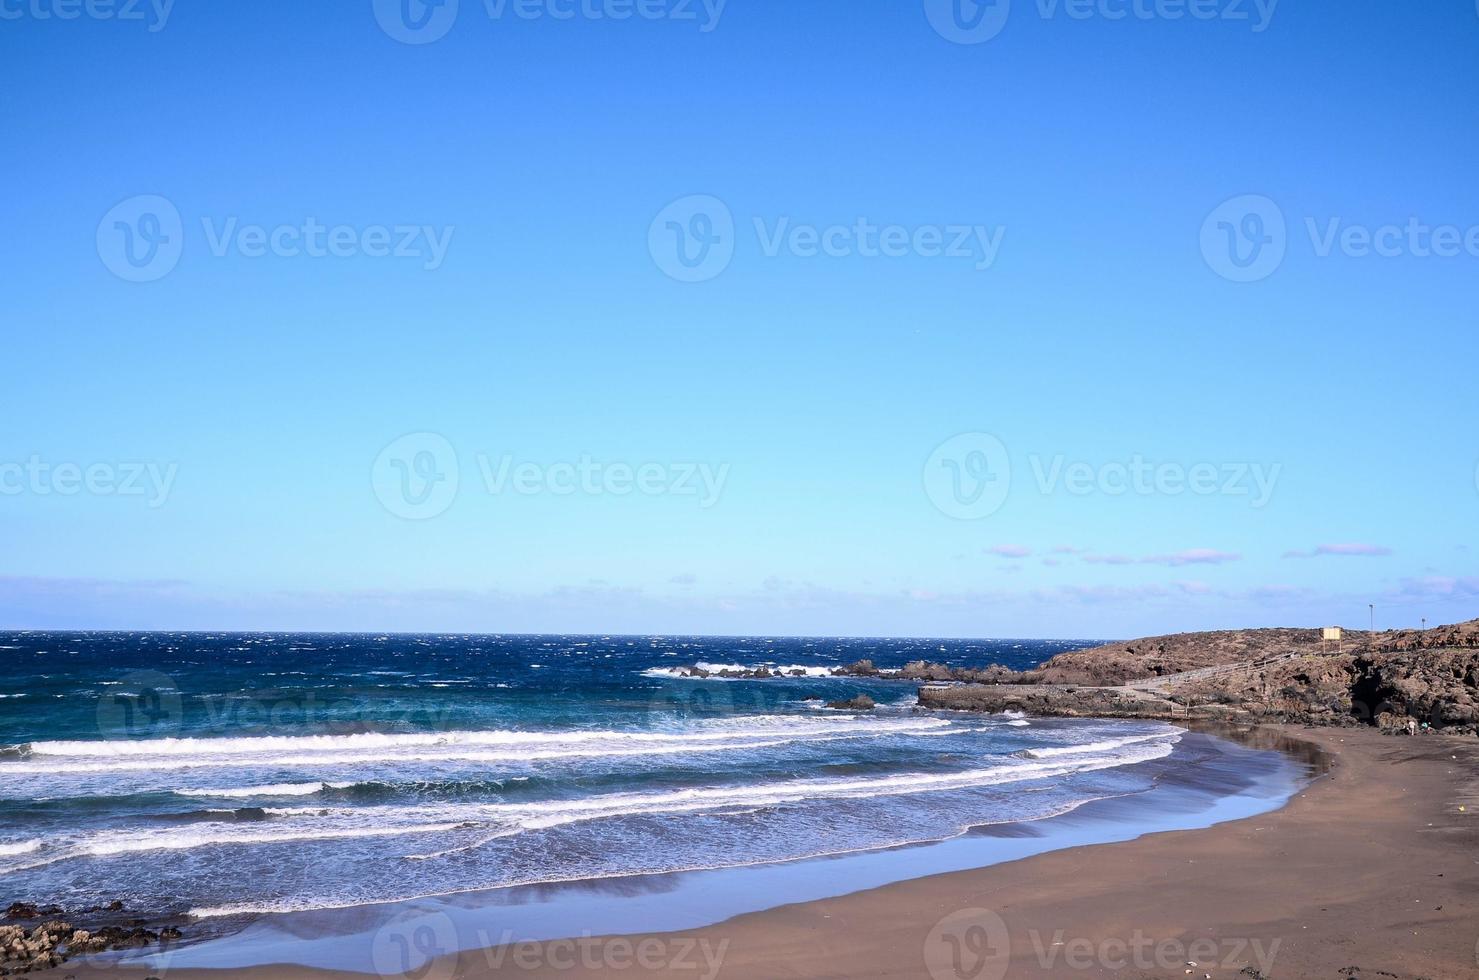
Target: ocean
x=229 y=774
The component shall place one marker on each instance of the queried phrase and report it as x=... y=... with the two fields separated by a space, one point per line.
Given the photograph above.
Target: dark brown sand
x=1372 y=871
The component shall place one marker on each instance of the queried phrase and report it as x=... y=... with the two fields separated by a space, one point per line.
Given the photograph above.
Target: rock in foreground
x=25 y=948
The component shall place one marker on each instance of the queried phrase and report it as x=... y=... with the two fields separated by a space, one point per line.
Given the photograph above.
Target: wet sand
x=1374 y=866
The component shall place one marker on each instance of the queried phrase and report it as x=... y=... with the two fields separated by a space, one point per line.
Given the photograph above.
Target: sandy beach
x=1371 y=871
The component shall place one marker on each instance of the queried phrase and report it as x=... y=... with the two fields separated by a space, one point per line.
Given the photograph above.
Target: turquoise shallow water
x=231 y=775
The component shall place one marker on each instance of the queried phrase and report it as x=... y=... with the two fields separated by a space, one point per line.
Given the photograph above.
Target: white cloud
x=1193 y=556
x=1345 y=550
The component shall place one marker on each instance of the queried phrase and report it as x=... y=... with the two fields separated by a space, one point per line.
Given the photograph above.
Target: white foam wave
x=469 y=746
x=277 y=789
x=463 y=848
x=1107 y=746
x=177 y=840
x=301 y=905
x=12 y=848
x=517 y=818
x=114 y=843
x=506 y=819
x=541 y=815
x=787 y=670
x=329 y=759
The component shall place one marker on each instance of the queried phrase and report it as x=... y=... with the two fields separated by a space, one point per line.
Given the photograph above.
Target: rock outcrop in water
x=1067 y=701
x=860 y=703
x=739 y=673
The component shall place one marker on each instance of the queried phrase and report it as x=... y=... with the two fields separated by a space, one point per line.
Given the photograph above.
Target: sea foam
x=499 y=745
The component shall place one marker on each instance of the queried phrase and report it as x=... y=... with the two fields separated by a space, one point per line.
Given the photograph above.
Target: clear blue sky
x=817 y=386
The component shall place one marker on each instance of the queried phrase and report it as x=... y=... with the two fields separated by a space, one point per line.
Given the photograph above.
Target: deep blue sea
x=235 y=773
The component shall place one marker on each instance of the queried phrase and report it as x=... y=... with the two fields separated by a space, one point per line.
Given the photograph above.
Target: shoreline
x=1214 y=776
x=1372 y=865
x=1371 y=870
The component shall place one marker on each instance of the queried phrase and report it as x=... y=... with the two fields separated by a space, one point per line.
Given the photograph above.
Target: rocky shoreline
x=28 y=945
x=1063 y=702
x=1398 y=681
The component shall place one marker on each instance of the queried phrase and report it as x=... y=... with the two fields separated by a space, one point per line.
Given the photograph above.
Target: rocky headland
x=1398 y=680
x=1401 y=681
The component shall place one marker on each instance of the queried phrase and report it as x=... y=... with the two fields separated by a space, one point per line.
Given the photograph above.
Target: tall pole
x=1372 y=606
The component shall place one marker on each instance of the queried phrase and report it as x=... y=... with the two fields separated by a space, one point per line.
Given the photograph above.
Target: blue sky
x=942 y=441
